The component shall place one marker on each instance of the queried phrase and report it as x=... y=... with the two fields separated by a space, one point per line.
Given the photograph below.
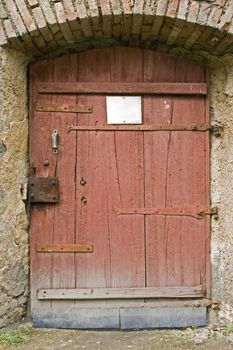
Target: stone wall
x=222 y=188
x=14 y=260
x=200 y=30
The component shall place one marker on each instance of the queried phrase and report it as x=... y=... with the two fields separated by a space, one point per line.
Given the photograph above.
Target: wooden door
x=133 y=221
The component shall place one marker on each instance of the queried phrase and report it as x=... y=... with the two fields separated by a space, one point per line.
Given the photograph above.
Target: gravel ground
x=27 y=338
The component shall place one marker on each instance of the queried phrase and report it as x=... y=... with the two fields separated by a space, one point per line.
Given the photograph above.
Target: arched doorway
x=124 y=240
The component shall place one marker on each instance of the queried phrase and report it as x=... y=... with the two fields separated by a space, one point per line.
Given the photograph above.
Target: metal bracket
x=208 y=211
x=43 y=190
x=215 y=305
x=217 y=130
x=55 y=141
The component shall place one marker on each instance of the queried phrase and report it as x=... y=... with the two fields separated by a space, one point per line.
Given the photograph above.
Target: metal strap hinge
x=195 y=212
x=208 y=211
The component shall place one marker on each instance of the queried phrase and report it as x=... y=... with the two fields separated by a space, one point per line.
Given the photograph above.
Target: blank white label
x=124 y=110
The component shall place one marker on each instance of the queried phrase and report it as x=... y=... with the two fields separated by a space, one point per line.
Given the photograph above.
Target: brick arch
x=40 y=27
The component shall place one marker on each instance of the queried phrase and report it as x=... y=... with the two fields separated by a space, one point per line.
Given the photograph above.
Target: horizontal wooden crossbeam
x=123 y=88
x=122 y=293
x=64 y=248
x=127 y=127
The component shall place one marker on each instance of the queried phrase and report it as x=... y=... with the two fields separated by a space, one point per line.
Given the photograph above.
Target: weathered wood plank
x=41 y=216
x=167 y=166
x=156 y=127
x=142 y=302
x=63 y=267
x=92 y=270
x=185 y=185
x=65 y=248
x=127 y=233
x=156 y=110
x=123 y=88
x=122 y=293
x=67 y=108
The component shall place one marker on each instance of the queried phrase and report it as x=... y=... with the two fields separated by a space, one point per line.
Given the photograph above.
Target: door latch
x=55 y=141
x=43 y=190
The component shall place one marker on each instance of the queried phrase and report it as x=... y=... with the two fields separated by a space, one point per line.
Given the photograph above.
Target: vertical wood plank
x=157 y=109
x=175 y=256
x=92 y=270
x=189 y=175
x=63 y=269
x=127 y=167
x=41 y=217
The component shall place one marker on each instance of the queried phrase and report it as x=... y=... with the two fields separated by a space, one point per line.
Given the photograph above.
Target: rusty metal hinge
x=195 y=212
x=208 y=211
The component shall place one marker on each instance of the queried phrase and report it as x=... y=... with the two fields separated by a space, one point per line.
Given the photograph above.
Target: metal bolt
x=84 y=200
x=83 y=182
x=46 y=162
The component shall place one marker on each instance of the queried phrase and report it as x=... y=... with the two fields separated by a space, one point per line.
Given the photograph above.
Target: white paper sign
x=124 y=110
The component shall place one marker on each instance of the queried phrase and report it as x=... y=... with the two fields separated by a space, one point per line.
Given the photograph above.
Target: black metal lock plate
x=43 y=190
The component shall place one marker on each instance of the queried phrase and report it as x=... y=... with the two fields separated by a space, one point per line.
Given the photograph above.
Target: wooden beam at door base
x=122 y=293
x=65 y=248
x=123 y=88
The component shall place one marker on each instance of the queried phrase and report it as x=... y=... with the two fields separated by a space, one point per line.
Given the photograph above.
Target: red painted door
x=131 y=192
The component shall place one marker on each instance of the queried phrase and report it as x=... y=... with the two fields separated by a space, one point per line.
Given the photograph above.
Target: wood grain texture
x=41 y=217
x=124 y=88
x=127 y=184
x=115 y=178
x=122 y=293
x=93 y=270
x=174 y=177
x=63 y=269
x=155 y=127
